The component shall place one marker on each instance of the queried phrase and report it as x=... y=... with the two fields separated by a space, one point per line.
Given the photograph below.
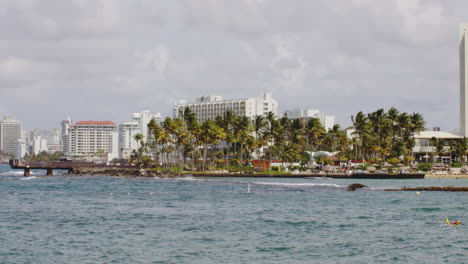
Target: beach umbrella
x=371 y=168
x=387 y=165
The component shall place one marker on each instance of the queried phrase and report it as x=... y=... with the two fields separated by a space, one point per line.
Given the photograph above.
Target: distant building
x=137 y=125
x=91 y=137
x=327 y=121
x=424 y=150
x=113 y=153
x=65 y=125
x=52 y=138
x=38 y=145
x=21 y=149
x=127 y=142
x=209 y=107
x=143 y=118
x=10 y=133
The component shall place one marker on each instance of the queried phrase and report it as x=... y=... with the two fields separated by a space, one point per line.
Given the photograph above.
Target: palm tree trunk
x=204 y=156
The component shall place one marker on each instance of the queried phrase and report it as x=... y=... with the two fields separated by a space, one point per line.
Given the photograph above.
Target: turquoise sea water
x=64 y=219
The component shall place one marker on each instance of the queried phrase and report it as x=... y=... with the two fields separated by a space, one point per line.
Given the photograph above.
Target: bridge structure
x=57 y=165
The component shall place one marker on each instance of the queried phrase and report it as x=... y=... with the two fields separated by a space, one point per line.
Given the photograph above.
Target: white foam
x=28 y=178
x=9 y=173
x=298 y=184
x=188 y=178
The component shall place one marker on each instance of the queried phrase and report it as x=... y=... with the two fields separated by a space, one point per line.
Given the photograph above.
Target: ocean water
x=64 y=219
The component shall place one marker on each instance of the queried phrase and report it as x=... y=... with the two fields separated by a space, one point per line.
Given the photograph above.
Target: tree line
x=230 y=140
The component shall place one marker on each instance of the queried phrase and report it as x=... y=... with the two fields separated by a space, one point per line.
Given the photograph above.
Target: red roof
x=96 y=123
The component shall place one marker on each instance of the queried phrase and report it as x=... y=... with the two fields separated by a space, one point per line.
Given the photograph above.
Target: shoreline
x=448 y=176
x=120 y=172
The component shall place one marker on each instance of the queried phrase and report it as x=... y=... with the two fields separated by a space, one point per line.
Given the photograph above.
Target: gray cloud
x=106 y=59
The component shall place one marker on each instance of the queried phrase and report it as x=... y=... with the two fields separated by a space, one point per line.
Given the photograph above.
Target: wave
x=287 y=184
x=13 y=172
x=28 y=178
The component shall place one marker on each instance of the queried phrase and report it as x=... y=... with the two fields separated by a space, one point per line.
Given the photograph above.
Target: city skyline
x=102 y=60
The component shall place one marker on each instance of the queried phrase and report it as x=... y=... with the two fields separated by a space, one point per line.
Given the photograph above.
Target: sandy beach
x=448 y=176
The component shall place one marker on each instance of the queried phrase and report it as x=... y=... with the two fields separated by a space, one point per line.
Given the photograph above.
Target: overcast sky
x=103 y=60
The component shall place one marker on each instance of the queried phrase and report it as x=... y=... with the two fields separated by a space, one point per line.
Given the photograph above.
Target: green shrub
x=457 y=164
x=424 y=166
x=274 y=168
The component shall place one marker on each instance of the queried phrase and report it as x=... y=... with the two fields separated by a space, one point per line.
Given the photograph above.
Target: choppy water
x=112 y=220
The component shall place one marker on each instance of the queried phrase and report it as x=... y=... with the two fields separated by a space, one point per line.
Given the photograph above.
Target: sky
x=103 y=59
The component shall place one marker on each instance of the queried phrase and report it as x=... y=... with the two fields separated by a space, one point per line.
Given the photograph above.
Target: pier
x=57 y=165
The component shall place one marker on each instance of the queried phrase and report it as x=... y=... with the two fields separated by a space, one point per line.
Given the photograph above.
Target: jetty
x=70 y=166
x=431 y=189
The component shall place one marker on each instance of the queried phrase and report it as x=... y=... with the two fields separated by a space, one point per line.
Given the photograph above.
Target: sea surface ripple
x=64 y=219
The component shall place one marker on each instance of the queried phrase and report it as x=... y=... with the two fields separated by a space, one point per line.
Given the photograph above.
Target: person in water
x=447 y=221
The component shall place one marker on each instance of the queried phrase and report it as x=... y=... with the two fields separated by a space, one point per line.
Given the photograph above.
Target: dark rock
x=354 y=186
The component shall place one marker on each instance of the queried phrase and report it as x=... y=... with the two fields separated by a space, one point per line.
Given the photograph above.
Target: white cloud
x=100 y=59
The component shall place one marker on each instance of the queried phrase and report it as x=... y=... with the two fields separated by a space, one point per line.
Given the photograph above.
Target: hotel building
x=209 y=107
x=91 y=137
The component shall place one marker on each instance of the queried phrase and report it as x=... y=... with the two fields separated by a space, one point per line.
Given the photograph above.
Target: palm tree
x=314 y=132
x=361 y=130
x=210 y=134
x=244 y=129
x=271 y=133
x=139 y=139
x=259 y=126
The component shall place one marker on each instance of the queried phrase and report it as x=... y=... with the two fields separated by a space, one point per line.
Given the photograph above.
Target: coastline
x=447 y=176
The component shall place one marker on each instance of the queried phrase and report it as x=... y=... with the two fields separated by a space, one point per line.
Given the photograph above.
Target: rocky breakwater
x=432 y=189
x=120 y=172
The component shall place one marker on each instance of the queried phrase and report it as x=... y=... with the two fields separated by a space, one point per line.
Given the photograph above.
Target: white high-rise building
x=38 y=145
x=138 y=125
x=327 y=121
x=143 y=118
x=127 y=142
x=65 y=125
x=114 y=147
x=209 y=107
x=91 y=137
x=463 y=48
x=10 y=133
x=21 y=149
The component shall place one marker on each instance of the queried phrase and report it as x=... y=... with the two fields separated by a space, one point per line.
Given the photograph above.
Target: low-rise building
x=424 y=148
